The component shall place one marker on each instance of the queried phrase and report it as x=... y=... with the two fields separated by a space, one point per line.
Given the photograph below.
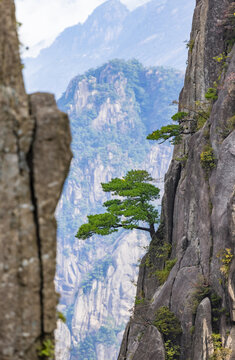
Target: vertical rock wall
x=35 y=155
x=197 y=211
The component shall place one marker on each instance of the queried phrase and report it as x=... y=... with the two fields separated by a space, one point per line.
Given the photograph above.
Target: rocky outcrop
x=198 y=208
x=35 y=156
x=203 y=345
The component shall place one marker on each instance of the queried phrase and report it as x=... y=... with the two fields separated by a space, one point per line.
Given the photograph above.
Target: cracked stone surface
x=35 y=155
x=197 y=216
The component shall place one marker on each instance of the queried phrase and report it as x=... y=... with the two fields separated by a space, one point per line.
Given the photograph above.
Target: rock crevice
x=30 y=164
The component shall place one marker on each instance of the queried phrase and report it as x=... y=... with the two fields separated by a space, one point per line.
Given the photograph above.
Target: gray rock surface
x=203 y=345
x=151 y=347
x=148 y=343
x=35 y=156
x=198 y=206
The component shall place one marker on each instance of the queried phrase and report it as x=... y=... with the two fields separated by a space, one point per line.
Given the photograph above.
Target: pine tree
x=131 y=212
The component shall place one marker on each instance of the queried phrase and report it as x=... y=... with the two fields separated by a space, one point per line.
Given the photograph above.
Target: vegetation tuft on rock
x=47 y=350
x=170 y=327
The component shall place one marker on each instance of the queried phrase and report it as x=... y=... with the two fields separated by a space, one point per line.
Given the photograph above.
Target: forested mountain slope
x=111 y=109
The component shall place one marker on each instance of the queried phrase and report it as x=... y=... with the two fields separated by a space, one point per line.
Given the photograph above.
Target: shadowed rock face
x=35 y=155
x=197 y=210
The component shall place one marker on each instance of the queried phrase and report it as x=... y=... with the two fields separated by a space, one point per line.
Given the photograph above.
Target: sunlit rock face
x=111 y=110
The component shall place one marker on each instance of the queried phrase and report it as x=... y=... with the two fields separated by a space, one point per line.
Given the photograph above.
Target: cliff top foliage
x=129 y=213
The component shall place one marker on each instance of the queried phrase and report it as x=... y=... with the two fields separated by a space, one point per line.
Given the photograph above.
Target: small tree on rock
x=187 y=123
x=130 y=210
x=173 y=132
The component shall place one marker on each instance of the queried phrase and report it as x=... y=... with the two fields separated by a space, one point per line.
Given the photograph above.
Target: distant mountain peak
x=110 y=4
x=152 y=33
x=113 y=2
x=110 y=12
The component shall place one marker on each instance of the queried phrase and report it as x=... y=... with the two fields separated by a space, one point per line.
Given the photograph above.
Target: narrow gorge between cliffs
x=120 y=79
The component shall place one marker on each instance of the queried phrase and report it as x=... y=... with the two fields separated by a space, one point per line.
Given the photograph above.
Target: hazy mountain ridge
x=111 y=109
x=112 y=31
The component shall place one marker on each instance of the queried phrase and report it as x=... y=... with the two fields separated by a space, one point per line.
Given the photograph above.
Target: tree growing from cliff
x=173 y=132
x=130 y=210
x=186 y=123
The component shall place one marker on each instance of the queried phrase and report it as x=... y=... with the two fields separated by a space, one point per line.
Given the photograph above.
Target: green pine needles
x=173 y=132
x=130 y=212
x=187 y=122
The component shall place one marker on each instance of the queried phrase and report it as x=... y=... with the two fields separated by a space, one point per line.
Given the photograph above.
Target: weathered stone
x=50 y=161
x=145 y=343
x=202 y=340
x=28 y=166
x=231 y=278
x=231 y=342
x=151 y=346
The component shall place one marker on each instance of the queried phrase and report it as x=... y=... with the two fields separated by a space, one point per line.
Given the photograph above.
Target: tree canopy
x=130 y=212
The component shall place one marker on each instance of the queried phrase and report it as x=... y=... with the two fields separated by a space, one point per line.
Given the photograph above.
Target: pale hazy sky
x=43 y=20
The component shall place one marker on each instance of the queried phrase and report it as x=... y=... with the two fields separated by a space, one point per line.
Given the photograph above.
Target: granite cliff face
x=197 y=213
x=35 y=156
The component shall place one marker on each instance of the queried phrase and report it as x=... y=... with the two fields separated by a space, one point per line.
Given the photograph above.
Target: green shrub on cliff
x=172 y=350
x=211 y=94
x=220 y=352
x=169 y=326
x=167 y=323
x=226 y=258
x=47 y=350
x=163 y=274
x=207 y=158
